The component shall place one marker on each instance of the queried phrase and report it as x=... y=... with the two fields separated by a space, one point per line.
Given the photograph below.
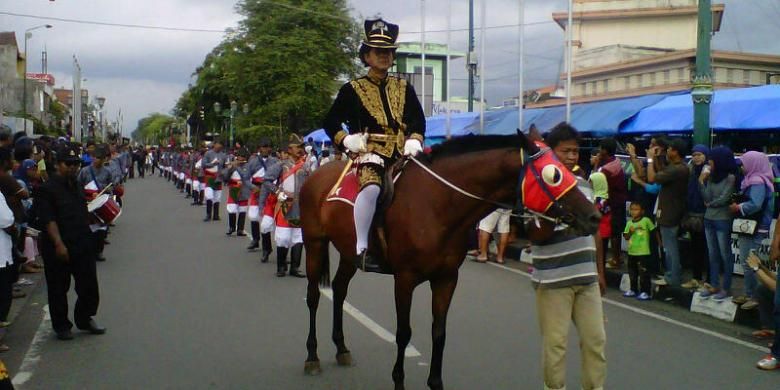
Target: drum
x=105 y=209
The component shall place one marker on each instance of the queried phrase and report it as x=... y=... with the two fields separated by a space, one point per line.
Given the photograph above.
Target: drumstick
x=104 y=189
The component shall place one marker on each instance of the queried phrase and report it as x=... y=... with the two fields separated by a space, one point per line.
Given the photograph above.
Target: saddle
x=346 y=192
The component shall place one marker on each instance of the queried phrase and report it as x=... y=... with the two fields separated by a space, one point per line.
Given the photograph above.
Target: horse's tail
x=325 y=264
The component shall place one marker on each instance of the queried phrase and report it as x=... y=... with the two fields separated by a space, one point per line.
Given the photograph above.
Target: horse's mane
x=474 y=143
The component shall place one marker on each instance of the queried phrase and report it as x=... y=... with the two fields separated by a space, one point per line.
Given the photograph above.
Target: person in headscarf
x=716 y=186
x=601 y=198
x=756 y=203
x=693 y=222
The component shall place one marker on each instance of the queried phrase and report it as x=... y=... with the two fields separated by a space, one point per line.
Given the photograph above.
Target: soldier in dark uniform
x=67 y=247
x=213 y=162
x=238 y=177
x=384 y=119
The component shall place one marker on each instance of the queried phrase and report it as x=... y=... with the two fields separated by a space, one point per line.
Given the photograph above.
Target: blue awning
x=596 y=118
x=755 y=108
x=318 y=136
x=436 y=126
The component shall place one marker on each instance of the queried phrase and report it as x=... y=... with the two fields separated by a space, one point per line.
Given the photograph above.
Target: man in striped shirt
x=567 y=285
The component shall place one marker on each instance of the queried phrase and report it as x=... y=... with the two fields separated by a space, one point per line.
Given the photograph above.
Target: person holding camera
x=754 y=203
x=716 y=186
x=670 y=211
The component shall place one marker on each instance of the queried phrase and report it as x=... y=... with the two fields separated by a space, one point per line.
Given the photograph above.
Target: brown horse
x=426 y=225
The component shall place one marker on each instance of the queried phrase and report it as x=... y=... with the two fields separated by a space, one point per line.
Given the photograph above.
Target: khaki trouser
x=581 y=304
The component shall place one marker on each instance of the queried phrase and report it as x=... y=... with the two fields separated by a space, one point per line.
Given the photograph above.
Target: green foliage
x=283 y=62
x=154 y=128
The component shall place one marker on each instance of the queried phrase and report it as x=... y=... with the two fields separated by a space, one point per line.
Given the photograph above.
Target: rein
x=526 y=214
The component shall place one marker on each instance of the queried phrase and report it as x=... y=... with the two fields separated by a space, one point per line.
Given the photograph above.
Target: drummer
x=94 y=179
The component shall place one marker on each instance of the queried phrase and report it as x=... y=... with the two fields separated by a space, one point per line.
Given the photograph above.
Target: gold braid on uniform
x=368 y=174
x=368 y=93
x=396 y=97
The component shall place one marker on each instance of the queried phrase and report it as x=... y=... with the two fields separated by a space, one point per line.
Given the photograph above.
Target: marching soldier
x=259 y=164
x=384 y=119
x=213 y=163
x=196 y=177
x=285 y=179
x=94 y=178
x=238 y=176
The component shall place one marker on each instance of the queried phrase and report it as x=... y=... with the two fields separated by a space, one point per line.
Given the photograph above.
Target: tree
x=284 y=61
x=154 y=128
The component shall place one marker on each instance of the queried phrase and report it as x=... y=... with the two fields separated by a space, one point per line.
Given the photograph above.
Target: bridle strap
x=526 y=213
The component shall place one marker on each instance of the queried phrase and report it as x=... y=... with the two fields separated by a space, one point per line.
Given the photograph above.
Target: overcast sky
x=143 y=71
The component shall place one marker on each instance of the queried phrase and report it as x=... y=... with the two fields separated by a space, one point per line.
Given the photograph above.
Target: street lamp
x=231 y=116
x=27 y=35
x=101 y=101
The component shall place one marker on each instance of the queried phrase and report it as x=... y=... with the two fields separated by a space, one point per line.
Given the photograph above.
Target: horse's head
x=548 y=187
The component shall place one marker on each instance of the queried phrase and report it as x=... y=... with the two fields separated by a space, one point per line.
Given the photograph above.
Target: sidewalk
x=19 y=304
x=676 y=296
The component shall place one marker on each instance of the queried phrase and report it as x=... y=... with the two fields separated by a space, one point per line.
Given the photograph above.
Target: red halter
x=550 y=180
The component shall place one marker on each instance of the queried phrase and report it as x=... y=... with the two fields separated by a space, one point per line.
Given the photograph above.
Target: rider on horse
x=384 y=119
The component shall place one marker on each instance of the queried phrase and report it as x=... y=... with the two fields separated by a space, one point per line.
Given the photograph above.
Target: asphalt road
x=188 y=308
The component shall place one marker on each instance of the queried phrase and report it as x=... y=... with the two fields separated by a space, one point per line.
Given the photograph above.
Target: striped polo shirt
x=565 y=259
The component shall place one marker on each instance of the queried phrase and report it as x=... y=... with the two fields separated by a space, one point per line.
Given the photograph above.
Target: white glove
x=282 y=196
x=355 y=143
x=412 y=147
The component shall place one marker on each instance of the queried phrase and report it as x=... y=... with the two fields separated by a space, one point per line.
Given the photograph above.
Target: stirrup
x=366 y=263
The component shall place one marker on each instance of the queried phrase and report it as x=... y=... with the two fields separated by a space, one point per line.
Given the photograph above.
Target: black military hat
x=295 y=140
x=380 y=34
x=242 y=152
x=265 y=141
x=68 y=153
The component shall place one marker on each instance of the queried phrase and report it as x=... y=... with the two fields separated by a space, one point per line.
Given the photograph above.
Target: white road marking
x=659 y=317
x=33 y=355
x=377 y=329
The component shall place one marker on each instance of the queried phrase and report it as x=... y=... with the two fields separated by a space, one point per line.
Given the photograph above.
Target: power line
x=93 y=22
x=202 y=30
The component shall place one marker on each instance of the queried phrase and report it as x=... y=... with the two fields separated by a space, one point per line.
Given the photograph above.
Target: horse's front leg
x=442 y=290
x=404 y=287
x=340 y=285
x=314 y=259
x=312 y=365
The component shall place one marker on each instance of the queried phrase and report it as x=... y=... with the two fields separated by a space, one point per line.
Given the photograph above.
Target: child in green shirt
x=637 y=233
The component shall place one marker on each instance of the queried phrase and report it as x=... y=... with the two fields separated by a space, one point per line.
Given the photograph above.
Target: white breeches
x=233 y=208
x=267 y=224
x=286 y=237
x=254 y=213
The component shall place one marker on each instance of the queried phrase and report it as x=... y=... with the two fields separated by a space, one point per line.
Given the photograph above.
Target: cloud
x=143 y=71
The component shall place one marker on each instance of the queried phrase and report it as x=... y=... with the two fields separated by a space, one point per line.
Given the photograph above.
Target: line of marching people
x=262 y=187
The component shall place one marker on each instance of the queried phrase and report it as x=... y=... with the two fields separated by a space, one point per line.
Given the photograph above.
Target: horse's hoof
x=312 y=368
x=344 y=359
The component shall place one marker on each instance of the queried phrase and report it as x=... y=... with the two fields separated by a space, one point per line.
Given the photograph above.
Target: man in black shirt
x=67 y=247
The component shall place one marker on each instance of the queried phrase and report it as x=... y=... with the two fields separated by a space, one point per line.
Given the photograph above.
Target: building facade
x=624 y=48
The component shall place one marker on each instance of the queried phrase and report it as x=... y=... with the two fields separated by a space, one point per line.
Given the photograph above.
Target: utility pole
x=701 y=89
x=472 y=63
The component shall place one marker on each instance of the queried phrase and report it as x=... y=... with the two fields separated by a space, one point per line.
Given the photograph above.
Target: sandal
x=480 y=260
x=763 y=334
x=500 y=261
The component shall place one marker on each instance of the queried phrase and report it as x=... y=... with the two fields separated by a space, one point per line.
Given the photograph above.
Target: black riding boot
x=254 y=226
x=281 y=261
x=187 y=190
x=266 y=247
x=201 y=197
x=231 y=223
x=195 y=199
x=241 y=224
x=209 y=207
x=295 y=260
x=216 y=211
